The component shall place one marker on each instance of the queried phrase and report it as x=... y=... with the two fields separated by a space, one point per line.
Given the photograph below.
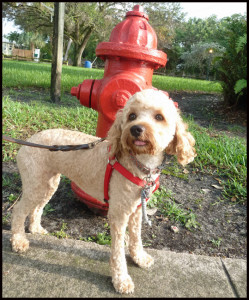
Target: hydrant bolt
x=120 y=98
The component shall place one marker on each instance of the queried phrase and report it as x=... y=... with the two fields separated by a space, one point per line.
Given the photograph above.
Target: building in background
x=7 y=47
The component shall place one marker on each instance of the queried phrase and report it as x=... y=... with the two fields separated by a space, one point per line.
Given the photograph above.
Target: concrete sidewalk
x=69 y=268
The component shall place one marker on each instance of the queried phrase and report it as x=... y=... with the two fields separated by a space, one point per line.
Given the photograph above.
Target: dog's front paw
x=19 y=243
x=123 y=285
x=143 y=259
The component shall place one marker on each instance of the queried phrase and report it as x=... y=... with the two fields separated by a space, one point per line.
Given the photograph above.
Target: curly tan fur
x=183 y=143
x=148 y=125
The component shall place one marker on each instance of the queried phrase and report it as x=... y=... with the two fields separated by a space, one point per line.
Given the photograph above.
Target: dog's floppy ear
x=114 y=136
x=183 y=143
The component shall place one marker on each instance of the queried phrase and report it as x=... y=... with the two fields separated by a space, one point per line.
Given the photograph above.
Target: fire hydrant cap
x=133 y=38
x=74 y=91
x=137 y=11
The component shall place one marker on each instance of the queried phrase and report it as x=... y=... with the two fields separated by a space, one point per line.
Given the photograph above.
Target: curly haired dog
x=148 y=126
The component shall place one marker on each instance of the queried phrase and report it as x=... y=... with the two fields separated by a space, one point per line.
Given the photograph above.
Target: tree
x=56 y=69
x=240 y=87
x=164 y=17
x=196 y=30
x=199 y=59
x=232 y=65
x=34 y=19
x=13 y=37
x=81 y=20
x=84 y=19
x=27 y=40
x=30 y=16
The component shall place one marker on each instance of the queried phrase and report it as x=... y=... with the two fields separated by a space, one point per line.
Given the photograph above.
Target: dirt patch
x=222 y=230
x=208 y=110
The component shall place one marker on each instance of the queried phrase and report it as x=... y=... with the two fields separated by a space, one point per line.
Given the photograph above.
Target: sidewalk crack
x=235 y=291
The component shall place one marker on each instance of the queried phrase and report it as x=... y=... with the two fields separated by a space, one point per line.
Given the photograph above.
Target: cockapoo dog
x=148 y=126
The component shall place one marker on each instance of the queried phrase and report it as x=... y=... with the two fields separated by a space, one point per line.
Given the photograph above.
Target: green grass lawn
x=223 y=156
x=220 y=155
x=28 y=74
x=169 y=83
x=21 y=120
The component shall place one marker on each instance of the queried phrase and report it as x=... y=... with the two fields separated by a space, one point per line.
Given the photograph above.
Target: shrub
x=232 y=65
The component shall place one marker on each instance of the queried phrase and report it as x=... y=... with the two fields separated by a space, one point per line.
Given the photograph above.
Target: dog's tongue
x=139 y=143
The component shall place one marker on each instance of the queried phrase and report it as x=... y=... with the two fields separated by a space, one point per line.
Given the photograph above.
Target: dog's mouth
x=140 y=146
x=140 y=143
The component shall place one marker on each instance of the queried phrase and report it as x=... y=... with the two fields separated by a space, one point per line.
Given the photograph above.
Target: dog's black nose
x=136 y=130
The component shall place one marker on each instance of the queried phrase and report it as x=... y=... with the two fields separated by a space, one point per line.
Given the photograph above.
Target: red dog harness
x=127 y=174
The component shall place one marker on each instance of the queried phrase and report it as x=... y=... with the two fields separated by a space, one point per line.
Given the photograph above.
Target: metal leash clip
x=145 y=193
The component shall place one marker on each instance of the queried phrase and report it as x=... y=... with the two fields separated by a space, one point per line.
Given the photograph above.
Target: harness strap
x=127 y=174
x=117 y=166
x=108 y=174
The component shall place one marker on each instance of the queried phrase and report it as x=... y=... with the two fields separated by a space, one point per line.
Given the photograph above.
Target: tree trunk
x=67 y=51
x=56 y=70
x=80 y=48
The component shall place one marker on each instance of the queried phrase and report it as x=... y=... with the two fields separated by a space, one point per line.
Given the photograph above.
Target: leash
x=146 y=183
x=54 y=147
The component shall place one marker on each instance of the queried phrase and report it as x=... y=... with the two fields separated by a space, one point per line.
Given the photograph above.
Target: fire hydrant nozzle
x=74 y=91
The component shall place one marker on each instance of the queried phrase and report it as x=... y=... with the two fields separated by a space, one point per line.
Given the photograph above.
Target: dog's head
x=149 y=124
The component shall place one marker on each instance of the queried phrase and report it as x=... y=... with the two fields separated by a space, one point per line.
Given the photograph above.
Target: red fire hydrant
x=130 y=57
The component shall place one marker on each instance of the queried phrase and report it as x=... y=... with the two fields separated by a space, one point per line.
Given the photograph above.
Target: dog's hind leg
x=139 y=256
x=36 y=193
x=35 y=215
x=19 y=214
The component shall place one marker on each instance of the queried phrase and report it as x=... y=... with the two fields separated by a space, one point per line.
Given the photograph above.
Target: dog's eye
x=132 y=117
x=159 y=117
